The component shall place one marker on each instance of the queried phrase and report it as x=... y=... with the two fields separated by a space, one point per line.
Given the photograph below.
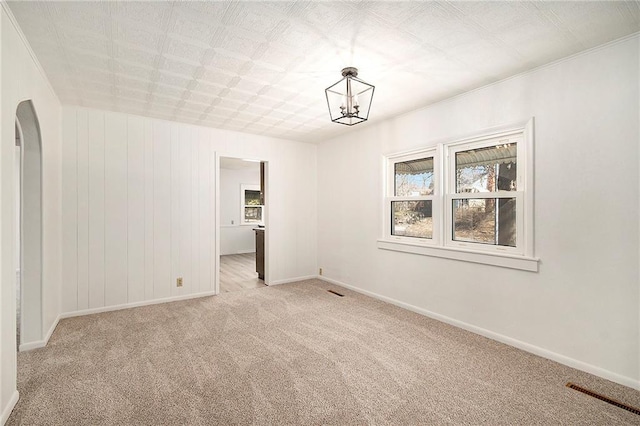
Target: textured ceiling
x=262 y=67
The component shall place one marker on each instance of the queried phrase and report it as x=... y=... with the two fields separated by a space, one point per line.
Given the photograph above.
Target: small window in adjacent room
x=470 y=199
x=251 y=206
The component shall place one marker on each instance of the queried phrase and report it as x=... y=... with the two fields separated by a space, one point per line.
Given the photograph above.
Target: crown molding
x=26 y=44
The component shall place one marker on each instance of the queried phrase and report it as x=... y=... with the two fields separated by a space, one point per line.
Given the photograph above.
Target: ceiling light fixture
x=349 y=99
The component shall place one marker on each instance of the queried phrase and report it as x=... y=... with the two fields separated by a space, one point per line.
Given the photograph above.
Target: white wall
x=582 y=306
x=21 y=79
x=139 y=207
x=235 y=238
x=137 y=210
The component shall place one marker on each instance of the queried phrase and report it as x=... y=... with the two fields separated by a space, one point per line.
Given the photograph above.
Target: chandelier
x=349 y=100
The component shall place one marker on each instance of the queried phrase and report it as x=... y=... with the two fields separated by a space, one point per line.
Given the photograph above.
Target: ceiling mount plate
x=352 y=71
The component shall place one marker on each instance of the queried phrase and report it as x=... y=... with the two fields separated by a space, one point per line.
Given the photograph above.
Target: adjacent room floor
x=238 y=272
x=295 y=354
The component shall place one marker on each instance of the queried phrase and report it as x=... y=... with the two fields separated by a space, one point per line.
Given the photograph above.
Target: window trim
x=523 y=263
x=523 y=257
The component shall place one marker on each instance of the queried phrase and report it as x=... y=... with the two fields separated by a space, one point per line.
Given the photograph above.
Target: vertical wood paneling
x=195 y=211
x=96 y=209
x=115 y=209
x=136 y=209
x=184 y=216
x=206 y=240
x=69 y=212
x=175 y=208
x=148 y=210
x=83 y=208
x=161 y=209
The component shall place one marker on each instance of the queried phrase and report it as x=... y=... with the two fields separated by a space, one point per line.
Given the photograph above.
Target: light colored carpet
x=294 y=354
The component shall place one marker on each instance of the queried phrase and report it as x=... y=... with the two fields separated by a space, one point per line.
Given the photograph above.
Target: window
x=464 y=198
x=484 y=205
x=251 y=204
x=411 y=200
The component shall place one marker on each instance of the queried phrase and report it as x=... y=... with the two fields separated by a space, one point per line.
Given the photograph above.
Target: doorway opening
x=242 y=224
x=28 y=226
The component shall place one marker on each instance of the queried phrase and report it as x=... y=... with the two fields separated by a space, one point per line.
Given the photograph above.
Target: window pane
x=486 y=221
x=412 y=219
x=253 y=214
x=413 y=178
x=251 y=198
x=488 y=169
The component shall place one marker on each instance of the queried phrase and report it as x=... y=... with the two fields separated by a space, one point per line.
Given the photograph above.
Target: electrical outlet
x=320 y=271
x=179 y=282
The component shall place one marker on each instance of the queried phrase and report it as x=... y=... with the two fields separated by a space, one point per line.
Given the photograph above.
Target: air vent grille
x=604 y=398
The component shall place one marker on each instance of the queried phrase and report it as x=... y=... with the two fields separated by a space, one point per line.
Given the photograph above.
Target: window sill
x=495 y=259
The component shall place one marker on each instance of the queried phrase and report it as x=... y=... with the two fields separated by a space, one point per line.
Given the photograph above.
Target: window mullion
x=414 y=198
x=484 y=195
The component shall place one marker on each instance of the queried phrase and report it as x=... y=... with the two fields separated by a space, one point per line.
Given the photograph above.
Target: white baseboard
x=40 y=343
x=536 y=350
x=51 y=330
x=6 y=412
x=293 y=280
x=134 y=304
x=32 y=345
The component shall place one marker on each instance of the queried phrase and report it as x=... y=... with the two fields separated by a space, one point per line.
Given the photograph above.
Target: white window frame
x=249 y=187
x=442 y=244
x=451 y=195
x=434 y=198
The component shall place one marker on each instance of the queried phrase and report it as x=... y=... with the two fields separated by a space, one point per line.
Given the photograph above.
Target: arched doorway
x=30 y=220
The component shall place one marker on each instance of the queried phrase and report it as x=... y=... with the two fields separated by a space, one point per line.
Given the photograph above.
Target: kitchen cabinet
x=259 y=252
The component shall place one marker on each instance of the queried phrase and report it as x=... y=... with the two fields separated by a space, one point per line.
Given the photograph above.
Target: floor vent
x=604 y=398
x=336 y=293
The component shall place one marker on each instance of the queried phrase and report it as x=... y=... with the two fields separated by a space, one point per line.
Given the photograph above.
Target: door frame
x=266 y=214
x=31 y=289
